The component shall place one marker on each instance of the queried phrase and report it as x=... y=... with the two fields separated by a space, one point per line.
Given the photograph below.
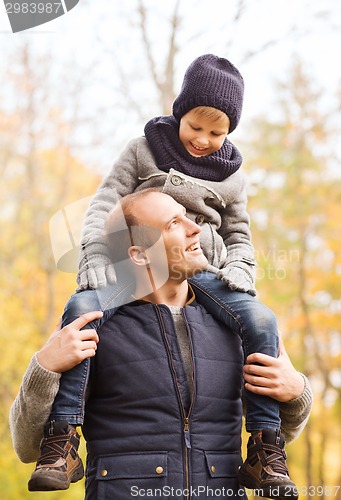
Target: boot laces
x=275 y=458
x=53 y=448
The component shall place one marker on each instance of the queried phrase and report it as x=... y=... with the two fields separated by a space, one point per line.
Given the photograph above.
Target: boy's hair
x=211 y=81
x=209 y=112
x=123 y=228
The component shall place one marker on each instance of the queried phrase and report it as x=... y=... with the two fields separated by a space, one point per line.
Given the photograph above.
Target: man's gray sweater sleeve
x=295 y=413
x=31 y=409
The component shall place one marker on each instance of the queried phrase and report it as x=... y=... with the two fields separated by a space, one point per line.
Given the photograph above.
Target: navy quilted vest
x=141 y=442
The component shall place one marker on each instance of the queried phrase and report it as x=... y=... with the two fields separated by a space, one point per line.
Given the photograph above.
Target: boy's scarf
x=162 y=134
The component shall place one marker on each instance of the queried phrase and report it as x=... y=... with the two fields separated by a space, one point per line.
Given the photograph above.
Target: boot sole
x=276 y=492
x=40 y=482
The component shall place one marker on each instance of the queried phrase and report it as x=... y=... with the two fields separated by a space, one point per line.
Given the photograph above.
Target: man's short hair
x=134 y=233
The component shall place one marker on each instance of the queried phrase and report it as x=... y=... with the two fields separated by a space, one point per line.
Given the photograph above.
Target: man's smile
x=193 y=247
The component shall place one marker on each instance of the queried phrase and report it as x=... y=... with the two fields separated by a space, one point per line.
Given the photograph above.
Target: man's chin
x=196 y=270
x=183 y=272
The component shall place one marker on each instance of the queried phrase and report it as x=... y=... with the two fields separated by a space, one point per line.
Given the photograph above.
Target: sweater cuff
x=212 y=269
x=300 y=404
x=41 y=381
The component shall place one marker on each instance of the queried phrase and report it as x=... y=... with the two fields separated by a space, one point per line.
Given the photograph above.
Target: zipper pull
x=186 y=434
x=51 y=427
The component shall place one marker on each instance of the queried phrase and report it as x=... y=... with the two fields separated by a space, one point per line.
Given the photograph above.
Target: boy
x=188 y=156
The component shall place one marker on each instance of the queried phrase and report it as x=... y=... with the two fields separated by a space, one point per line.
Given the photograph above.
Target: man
x=163 y=417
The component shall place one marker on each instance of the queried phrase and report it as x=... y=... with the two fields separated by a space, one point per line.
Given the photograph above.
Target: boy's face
x=202 y=135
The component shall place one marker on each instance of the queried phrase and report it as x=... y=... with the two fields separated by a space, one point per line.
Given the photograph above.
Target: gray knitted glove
x=239 y=275
x=96 y=269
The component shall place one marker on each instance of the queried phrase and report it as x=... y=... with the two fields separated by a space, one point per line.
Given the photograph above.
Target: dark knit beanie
x=211 y=81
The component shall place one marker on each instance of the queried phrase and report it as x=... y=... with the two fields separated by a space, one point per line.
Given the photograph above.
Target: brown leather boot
x=59 y=463
x=265 y=469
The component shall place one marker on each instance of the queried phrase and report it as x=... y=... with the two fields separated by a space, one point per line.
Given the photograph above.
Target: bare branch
x=239 y=11
x=147 y=44
x=125 y=90
x=270 y=43
x=167 y=88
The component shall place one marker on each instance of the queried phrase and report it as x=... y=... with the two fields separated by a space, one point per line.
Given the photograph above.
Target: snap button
x=213 y=469
x=175 y=180
x=159 y=470
x=104 y=472
x=200 y=219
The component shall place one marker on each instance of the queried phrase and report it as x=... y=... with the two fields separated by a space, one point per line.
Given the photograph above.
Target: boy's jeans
x=253 y=321
x=257 y=326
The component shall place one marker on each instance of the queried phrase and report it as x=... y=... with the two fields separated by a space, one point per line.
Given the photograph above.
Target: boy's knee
x=261 y=332
x=263 y=320
x=268 y=318
x=80 y=303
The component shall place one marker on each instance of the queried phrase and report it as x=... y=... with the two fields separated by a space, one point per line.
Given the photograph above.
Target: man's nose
x=193 y=227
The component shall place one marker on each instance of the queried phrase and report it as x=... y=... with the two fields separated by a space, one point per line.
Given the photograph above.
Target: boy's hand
x=95 y=271
x=238 y=277
x=68 y=346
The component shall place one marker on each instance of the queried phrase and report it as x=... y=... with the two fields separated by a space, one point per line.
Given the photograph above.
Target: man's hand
x=276 y=378
x=68 y=346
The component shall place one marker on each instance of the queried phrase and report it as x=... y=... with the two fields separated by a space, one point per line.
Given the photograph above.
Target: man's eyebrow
x=176 y=216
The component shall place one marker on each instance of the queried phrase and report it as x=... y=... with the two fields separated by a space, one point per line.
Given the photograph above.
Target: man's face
x=180 y=235
x=202 y=135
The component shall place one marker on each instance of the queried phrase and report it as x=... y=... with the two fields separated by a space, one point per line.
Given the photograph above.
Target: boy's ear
x=138 y=255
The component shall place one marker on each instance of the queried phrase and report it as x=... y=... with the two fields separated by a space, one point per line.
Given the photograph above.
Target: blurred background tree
x=67 y=110
x=295 y=194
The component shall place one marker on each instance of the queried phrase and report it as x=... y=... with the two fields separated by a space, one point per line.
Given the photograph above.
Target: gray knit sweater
x=32 y=406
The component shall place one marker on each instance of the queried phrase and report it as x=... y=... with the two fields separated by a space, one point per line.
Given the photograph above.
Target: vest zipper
x=186 y=419
x=187 y=458
x=186 y=452
x=186 y=432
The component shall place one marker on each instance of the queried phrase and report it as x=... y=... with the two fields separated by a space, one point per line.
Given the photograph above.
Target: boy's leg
x=70 y=400
x=257 y=326
x=59 y=463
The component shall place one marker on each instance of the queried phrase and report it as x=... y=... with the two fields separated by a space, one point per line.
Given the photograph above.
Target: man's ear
x=138 y=255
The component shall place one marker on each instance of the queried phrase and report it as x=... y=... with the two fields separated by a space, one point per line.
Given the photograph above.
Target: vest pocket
x=222 y=464
x=222 y=475
x=128 y=475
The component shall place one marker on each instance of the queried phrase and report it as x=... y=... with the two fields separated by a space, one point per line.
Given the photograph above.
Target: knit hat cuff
x=179 y=110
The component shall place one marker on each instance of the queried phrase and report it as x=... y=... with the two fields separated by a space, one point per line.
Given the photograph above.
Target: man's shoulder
x=135 y=308
x=196 y=312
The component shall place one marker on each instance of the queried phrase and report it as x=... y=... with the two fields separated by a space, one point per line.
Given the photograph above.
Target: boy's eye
x=195 y=128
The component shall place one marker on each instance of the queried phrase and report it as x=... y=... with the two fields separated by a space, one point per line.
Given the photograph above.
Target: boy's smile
x=203 y=135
